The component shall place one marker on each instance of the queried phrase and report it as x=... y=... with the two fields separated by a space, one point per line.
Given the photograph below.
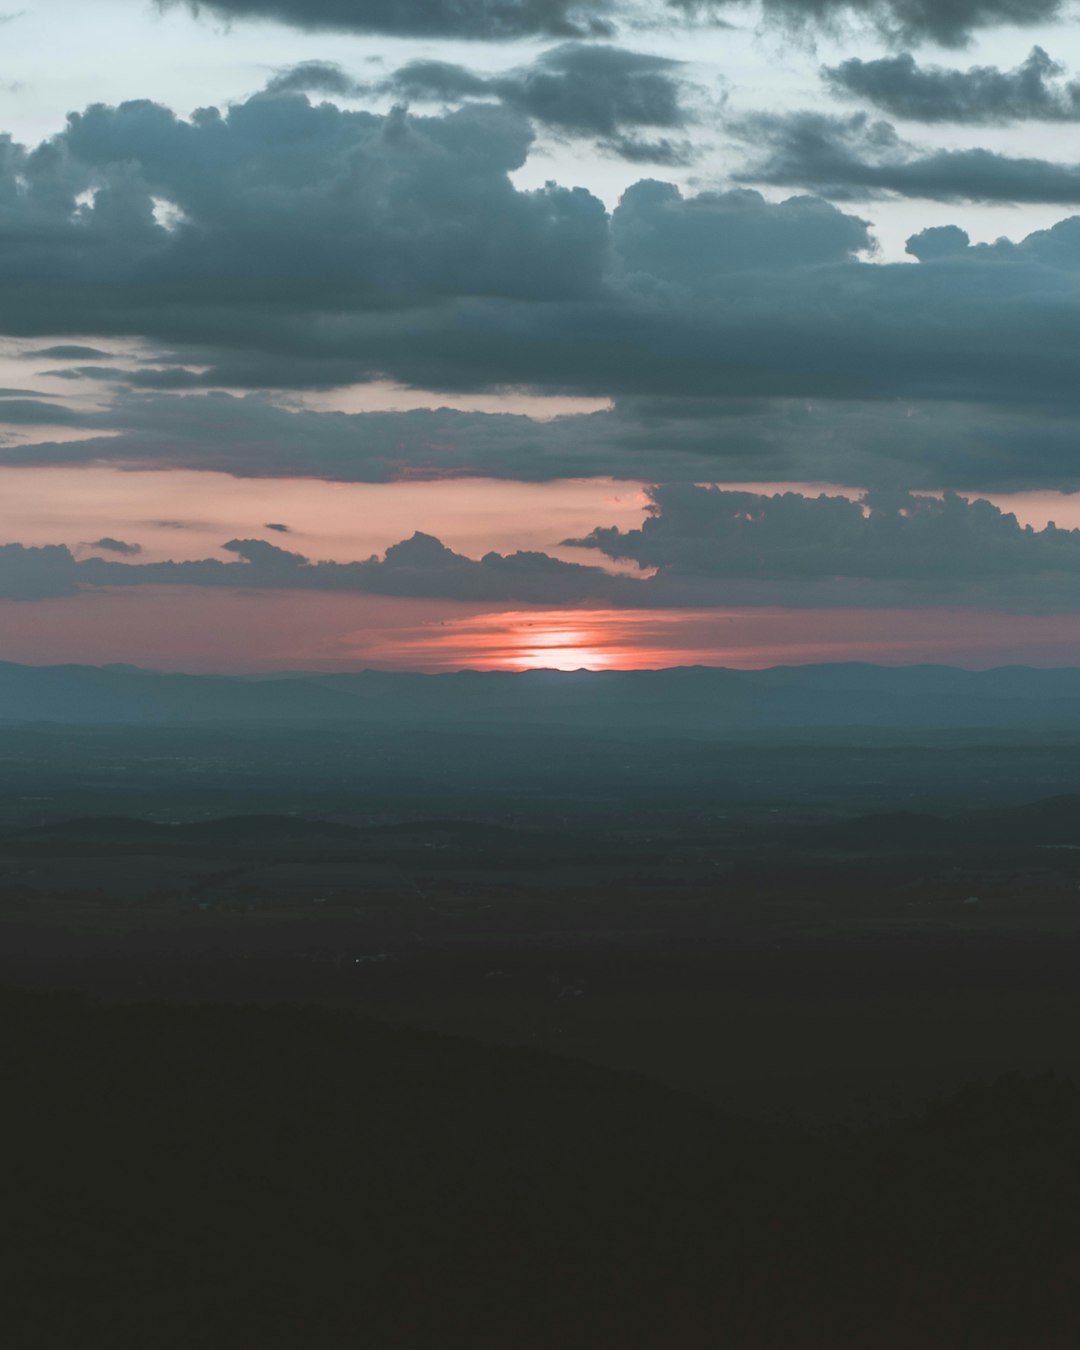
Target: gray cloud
x=702 y=547
x=283 y=212
x=981 y=94
x=315 y=77
x=419 y=566
x=706 y=531
x=576 y=89
x=700 y=241
x=277 y=527
x=316 y=247
x=36 y=573
x=854 y=158
x=705 y=439
x=68 y=352
x=18 y=411
x=950 y=23
x=107 y=544
x=490 y=20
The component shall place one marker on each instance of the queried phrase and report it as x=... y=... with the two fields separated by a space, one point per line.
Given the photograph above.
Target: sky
x=429 y=334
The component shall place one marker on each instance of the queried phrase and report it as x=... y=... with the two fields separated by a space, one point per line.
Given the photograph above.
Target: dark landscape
x=599 y=1032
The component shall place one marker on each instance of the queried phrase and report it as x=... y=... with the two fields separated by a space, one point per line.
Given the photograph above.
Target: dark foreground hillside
x=224 y=1176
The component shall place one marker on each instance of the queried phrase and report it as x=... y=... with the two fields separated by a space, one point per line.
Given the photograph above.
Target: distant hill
x=225 y=829
x=685 y=700
x=1051 y=822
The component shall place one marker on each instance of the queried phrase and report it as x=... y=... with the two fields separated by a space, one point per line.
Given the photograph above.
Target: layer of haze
x=190 y=629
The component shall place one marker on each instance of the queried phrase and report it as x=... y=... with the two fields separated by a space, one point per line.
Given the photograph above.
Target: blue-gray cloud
x=577 y=89
x=979 y=95
x=281 y=210
x=948 y=22
x=855 y=159
x=67 y=351
x=313 y=247
x=695 y=531
x=107 y=544
x=700 y=547
x=485 y=20
x=316 y=77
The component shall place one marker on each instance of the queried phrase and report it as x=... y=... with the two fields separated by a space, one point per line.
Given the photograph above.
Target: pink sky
x=185 y=628
x=210 y=629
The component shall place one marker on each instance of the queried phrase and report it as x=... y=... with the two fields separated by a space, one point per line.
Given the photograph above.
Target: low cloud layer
x=882 y=443
x=694 y=531
x=700 y=547
x=980 y=95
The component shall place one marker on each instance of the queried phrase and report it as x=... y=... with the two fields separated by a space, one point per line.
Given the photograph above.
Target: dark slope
x=283 y=1177
x=1048 y=823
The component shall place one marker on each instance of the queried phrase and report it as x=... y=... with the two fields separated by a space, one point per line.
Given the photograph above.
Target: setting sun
x=555 y=647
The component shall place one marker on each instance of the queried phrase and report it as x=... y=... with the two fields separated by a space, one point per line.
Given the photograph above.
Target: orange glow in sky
x=189 y=515
x=219 y=629
x=557 y=642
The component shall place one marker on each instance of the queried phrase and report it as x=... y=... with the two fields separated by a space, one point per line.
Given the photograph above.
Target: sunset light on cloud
x=325 y=324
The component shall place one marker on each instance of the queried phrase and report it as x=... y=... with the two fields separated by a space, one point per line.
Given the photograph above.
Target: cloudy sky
x=517 y=333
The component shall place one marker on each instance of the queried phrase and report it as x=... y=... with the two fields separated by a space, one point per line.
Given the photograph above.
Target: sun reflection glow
x=552 y=645
x=596 y=639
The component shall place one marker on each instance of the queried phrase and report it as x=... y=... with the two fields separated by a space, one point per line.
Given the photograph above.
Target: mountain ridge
x=705 y=699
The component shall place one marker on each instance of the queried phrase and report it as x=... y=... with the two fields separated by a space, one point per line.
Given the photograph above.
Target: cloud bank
x=281 y=245
x=700 y=547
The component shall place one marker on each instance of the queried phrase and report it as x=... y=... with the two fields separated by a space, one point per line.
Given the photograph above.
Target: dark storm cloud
x=982 y=94
x=107 y=544
x=854 y=158
x=490 y=20
x=577 y=89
